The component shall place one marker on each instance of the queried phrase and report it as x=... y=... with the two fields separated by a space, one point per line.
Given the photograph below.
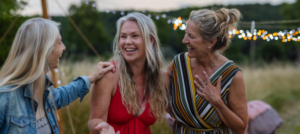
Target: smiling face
x=131 y=42
x=58 y=48
x=195 y=43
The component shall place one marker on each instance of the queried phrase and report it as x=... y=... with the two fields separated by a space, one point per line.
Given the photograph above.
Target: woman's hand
x=210 y=93
x=105 y=128
x=100 y=70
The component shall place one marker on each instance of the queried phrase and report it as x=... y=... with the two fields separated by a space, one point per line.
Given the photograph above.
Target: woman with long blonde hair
x=28 y=100
x=134 y=97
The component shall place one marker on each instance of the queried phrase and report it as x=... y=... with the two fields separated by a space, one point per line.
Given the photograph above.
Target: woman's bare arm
x=101 y=95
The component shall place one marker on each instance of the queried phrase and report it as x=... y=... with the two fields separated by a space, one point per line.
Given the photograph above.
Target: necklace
x=144 y=98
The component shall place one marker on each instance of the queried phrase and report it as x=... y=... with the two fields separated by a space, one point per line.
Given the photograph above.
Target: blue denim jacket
x=16 y=115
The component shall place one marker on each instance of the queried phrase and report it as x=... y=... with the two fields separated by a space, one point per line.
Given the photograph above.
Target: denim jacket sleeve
x=3 y=107
x=64 y=95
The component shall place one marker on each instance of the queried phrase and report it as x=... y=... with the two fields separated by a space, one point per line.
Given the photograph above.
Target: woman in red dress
x=131 y=99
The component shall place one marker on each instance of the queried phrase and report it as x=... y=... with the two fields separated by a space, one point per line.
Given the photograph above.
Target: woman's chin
x=191 y=55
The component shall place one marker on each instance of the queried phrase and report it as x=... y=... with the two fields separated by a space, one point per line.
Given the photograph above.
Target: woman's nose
x=128 y=41
x=64 y=47
x=184 y=40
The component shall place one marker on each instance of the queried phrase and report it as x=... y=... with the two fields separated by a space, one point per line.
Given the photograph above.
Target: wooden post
x=45 y=16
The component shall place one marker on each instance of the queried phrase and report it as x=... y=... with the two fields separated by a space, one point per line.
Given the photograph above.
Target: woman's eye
x=123 y=36
x=135 y=35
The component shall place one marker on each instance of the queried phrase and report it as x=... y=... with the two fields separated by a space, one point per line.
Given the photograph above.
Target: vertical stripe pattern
x=192 y=113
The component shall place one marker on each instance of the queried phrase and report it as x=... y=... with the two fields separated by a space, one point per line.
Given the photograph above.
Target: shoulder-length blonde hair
x=153 y=78
x=27 y=59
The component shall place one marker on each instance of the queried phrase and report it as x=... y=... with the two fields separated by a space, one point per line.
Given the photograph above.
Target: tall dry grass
x=276 y=84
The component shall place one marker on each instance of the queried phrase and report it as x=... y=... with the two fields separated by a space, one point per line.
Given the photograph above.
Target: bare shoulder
x=238 y=79
x=107 y=84
x=109 y=77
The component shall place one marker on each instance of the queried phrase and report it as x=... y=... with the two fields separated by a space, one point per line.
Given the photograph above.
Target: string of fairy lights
x=179 y=23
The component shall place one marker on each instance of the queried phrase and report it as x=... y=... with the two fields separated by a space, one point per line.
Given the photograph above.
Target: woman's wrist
x=218 y=103
x=91 y=79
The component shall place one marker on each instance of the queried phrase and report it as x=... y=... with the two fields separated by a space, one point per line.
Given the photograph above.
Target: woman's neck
x=137 y=68
x=208 y=61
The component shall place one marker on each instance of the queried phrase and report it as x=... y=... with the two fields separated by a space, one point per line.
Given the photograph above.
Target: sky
x=34 y=6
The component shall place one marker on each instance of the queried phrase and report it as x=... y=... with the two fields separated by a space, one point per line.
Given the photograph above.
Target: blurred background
x=265 y=44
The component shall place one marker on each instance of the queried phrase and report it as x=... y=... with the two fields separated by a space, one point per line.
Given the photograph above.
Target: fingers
x=202 y=83
x=101 y=126
x=206 y=78
x=106 y=64
x=198 y=87
x=118 y=132
x=98 y=127
x=106 y=69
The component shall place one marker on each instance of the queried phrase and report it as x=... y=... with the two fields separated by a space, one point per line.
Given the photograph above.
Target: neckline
x=118 y=90
x=210 y=77
x=141 y=113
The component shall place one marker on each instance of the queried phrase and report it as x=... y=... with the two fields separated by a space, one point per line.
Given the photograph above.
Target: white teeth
x=130 y=49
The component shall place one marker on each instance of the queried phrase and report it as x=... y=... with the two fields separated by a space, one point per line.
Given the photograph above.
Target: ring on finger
x=201 y=87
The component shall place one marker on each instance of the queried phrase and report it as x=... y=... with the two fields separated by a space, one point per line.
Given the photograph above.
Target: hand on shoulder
x=101 y=69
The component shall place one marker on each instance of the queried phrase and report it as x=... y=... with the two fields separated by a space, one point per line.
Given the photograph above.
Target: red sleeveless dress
x=126 y=123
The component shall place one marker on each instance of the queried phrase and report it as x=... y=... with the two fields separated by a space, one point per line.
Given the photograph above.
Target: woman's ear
x=212 y=43
x=152 y=40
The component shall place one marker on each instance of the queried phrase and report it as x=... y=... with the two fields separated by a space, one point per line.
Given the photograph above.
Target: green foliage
x=8 y=13
x=90 y=23
x=8 y=8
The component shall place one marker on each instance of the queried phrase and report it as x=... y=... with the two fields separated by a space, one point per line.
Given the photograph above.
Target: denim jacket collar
x=48 y=83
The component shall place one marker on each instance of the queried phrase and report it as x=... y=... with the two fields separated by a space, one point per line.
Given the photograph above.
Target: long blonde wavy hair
x=158 y=97
x=26 y=63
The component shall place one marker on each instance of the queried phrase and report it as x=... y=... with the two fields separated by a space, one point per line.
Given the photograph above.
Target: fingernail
x=196 y=76
x=204 y=72
x=195 y=81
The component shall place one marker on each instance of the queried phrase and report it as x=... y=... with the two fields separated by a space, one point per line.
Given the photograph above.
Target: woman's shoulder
x=10 y=89
x=8 y=92
x=109 y=81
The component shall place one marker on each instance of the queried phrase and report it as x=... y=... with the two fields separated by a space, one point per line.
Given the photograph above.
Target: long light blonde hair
x=26 y=63
x=158 y=97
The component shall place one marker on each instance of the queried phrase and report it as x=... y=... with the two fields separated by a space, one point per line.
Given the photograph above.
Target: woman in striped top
x=207 y=89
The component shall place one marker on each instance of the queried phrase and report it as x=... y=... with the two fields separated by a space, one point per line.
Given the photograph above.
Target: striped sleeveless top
x=193 y=114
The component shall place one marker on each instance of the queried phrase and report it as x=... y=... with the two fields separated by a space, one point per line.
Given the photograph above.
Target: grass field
x=276 y=84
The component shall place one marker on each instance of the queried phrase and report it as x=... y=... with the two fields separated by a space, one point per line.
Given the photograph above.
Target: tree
x=89 y=21
x=8 y=12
